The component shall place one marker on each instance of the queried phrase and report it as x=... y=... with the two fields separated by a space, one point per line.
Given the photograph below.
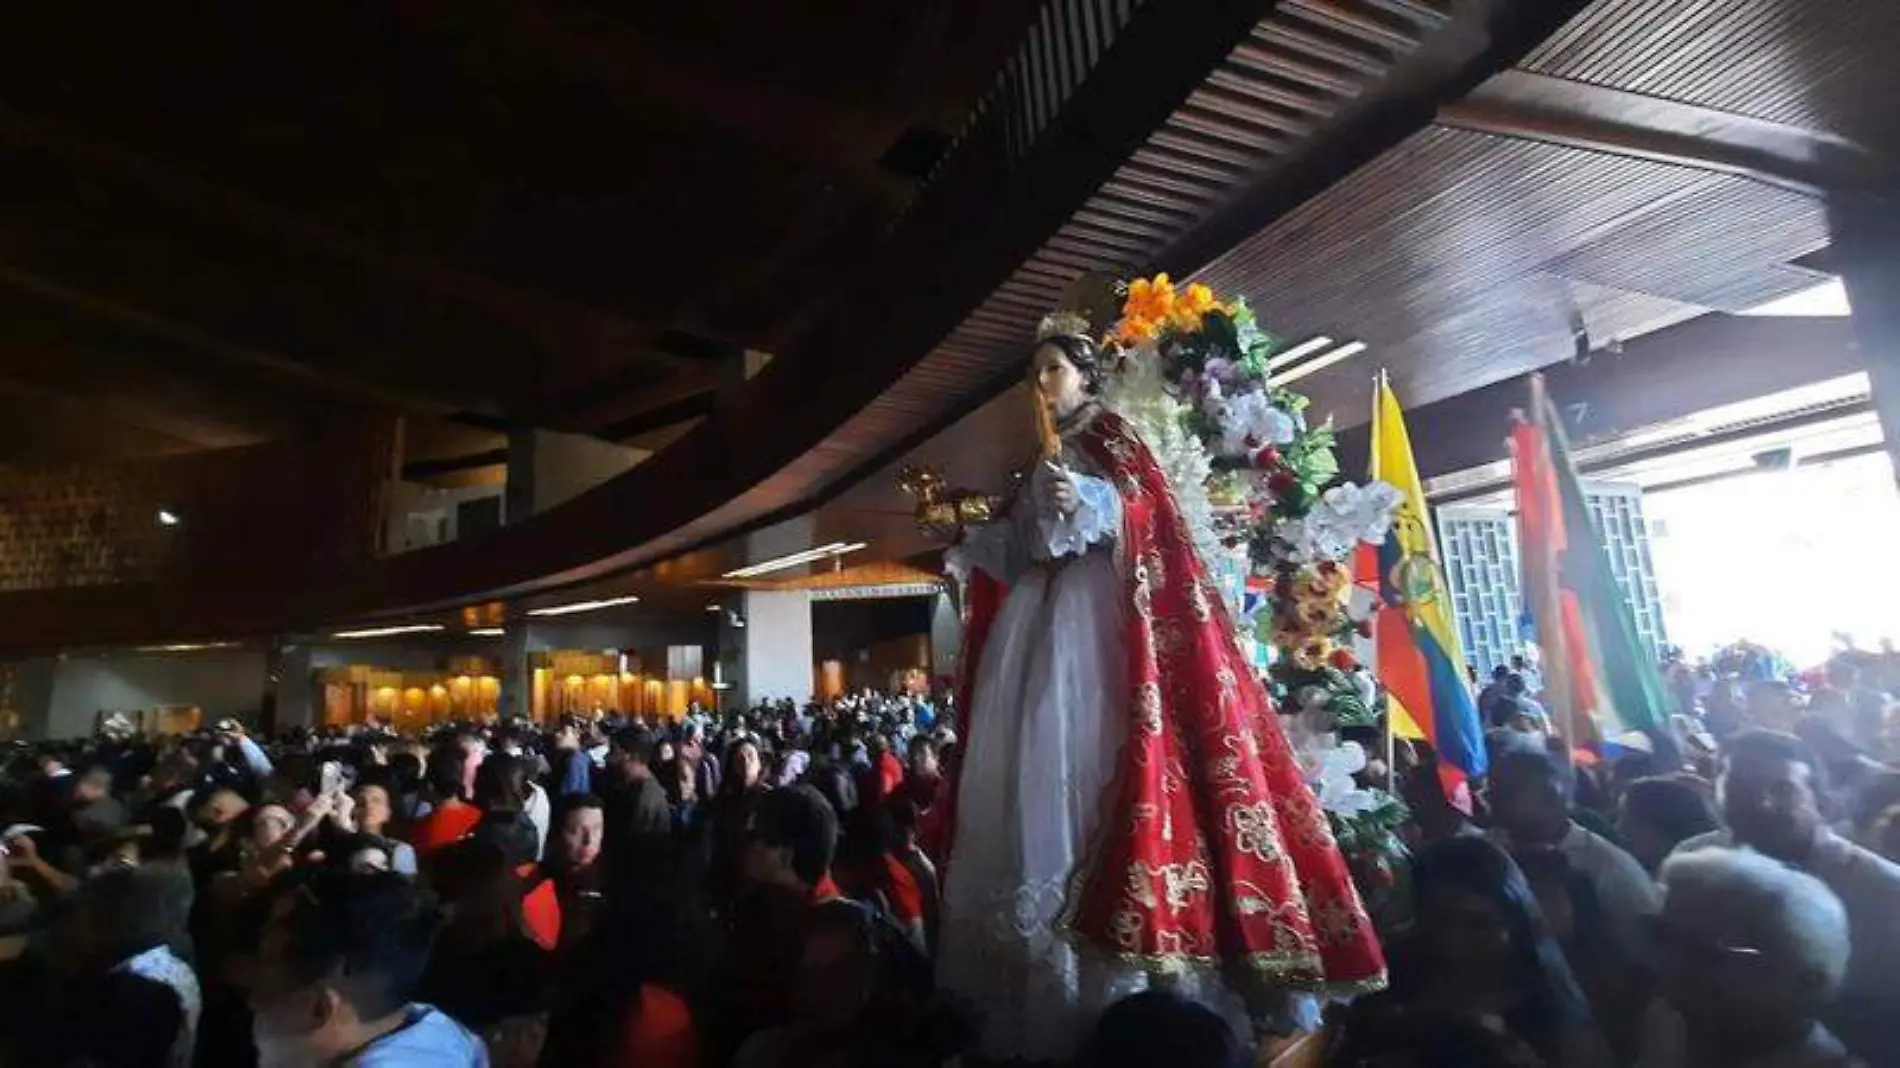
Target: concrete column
x=291 y=676
x=516 y=677
x=728 y=670
x=946 y=637
x=776 y=649
x=1866 y=251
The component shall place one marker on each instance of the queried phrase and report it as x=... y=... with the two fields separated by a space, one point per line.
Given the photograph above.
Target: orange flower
x=1191 y=306
x=1134 y=330
x=1150 y=299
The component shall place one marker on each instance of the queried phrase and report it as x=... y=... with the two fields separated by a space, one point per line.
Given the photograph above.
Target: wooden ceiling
x=220 y=221
x=517 y=228
x=1654 y=161
x=1562 y=193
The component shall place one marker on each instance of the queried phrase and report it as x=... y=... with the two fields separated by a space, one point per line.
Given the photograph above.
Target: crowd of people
x=761 y=888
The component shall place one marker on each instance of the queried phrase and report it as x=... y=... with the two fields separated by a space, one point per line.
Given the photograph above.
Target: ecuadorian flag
x=1418 y=657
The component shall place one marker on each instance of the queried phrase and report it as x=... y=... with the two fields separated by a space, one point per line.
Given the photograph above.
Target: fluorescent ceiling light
x=1825 y=301
x=385 y=632
x=168 y=518
x=1343 y=352
x=583 y=606
x=487 y=632
x=1304 y=348
x=835 y=549
x=712 y=608
x=186 y=647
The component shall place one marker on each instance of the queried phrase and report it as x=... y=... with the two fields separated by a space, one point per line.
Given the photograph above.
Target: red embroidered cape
x=1213 y=850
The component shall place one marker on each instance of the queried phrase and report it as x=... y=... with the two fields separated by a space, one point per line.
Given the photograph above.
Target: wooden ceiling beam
x=147 y=379
x=234 y=353
x=558 y=325
x=189 y=431
x=589 y=406
x=40 y=429
x=1704 y=363
x=659 y=418
x=841 y=139
x=1540 y=107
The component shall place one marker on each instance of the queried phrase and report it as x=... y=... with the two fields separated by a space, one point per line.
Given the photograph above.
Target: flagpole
x=1380 y=383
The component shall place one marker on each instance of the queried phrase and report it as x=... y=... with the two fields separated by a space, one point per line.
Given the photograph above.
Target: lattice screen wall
x=1482 y=569
x=1480 y=556
x=1618 y=512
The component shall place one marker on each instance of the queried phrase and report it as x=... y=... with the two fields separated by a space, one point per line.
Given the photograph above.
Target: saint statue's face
x=1064 y=388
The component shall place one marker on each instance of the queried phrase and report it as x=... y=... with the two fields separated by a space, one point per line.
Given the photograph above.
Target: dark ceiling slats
x=1805 y=63
x=1246 y=111
x=1537 y=229
x=1358 y=20
x=1264 y=85
x=1322 y=46
x=1289 y=74
x=1244 y=141
x=1157 y=181
x=1063 y=45
x=1175 y=147
x=1273 y=59
x=1129 y=191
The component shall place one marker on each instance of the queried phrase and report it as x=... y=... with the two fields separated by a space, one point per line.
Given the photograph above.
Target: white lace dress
x=1046 y=726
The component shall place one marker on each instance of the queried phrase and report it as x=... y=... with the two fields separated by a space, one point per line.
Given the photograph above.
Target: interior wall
x=777 y=659
x=222 y=683
x=842 y=630
x=546 y=467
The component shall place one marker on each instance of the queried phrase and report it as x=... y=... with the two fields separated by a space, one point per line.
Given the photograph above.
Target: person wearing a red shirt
x=453 y=818
x=885 y=775
x=925 y=776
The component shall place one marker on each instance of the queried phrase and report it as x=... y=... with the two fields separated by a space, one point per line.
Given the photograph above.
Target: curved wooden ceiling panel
x=1484 y=250
x=1108 y=171
x=1821 y=64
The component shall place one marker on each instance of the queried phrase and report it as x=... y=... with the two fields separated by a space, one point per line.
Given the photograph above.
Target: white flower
x=1365 y=686
x=1248 y=421
x=1348 y=758
x=1317 y=537
x=1253 y=422
x=1344 y=797
x=1343 y=517
x=1328 y=766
